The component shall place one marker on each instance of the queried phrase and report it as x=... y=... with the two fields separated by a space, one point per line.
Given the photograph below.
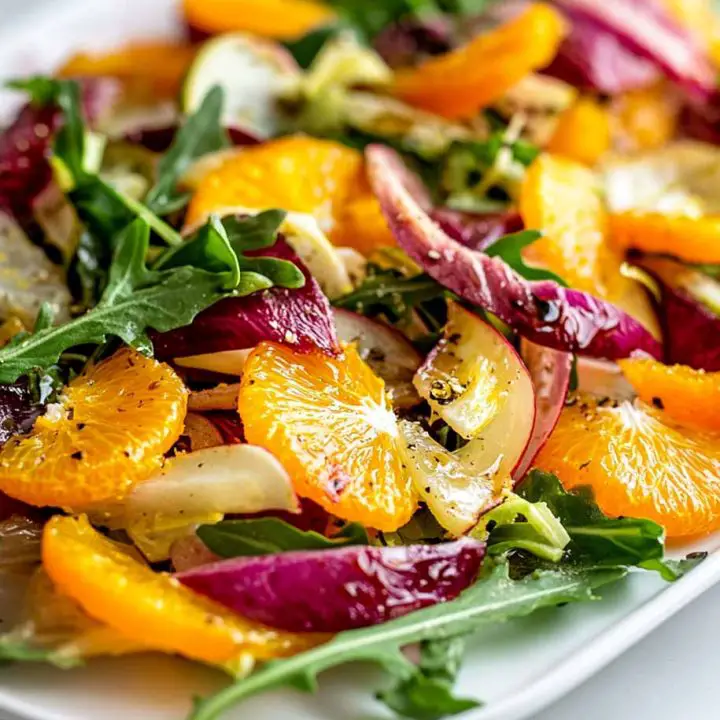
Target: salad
x=334 y=331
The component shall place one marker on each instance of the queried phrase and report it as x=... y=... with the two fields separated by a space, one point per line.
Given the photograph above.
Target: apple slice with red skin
x=476 y=382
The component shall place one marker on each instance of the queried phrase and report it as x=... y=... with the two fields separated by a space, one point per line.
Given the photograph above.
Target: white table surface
x=671 y=675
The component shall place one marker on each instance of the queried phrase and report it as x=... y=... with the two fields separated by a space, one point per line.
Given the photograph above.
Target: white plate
x=517 y=668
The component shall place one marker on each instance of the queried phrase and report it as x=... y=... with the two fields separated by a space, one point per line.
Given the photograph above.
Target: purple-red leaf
x=301 y=318
x=645 y=27
x=593 y=58
x=543 y=312
x=477 y=230
x=339 y=589
x=25 y=147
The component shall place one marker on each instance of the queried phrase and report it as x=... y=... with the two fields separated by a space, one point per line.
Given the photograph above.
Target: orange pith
x=688 y=396
x=639 y=463
x=459 y=83
x=162 y=65
x=300 y=174
x=582 y=132
x=109 y=432
x=153 y=609
x=693 y=239
x=328 y=422
x=282 y=19
x=561 y=198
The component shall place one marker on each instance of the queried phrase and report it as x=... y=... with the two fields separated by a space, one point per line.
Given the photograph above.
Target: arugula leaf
x=593 y=536
x=493 y=598
x=387 y=292
x=264 y=536
x=427 y=694
x=368 y=22
x=135 y=299
x=15 y=650
x=42 y=90
x=253 y=232
x=209 y=248
x=202 y=133
x=509 y=248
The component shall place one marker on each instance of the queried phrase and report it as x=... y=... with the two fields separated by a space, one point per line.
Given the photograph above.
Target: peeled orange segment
x=639 y=463
x=319 y=177
x=688 y=396
x=148 y=607
x=282 y=19
x=694 y=239
x=582 y=132
x=328 y=422
x=645 y=119
x=109 y=432
x=561 y=198
x=161 y=65
x=459 y=83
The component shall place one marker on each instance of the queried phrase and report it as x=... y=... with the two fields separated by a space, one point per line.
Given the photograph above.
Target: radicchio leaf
x=595 y=59
x=339 y=589
x=299 y=317
x=543 y=312
x=477 y=230
x=691 y=329
x=645 y=27
x=25 y=147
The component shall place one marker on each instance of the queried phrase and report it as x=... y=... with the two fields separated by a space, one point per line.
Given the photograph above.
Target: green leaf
x=42 y=90
x=201 y=134
x=387 y=292
x=15 y=650
x=134 y=300
x=509 y=248
x=253 y=232
x=593 y=536
x=427 y=694
x=493 y=598
x=70 y=139
x=209 y=249
x=264 y=536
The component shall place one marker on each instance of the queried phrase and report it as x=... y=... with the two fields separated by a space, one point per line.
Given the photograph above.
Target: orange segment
x=693 y=239
x=281 y=19
x=561 y=198
x=639 y=464
x=151 y=608
x=160 y=64
x=328 y=422
x=645 y=119
x=582 y=132
x=109 y=432
x=459 y=83
x=690 y=397
x=300 y=174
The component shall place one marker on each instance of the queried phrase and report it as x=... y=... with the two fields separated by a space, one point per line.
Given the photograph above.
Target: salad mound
x=328 y=330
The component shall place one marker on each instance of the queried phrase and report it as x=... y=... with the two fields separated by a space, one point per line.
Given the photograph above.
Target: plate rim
x=569 y=673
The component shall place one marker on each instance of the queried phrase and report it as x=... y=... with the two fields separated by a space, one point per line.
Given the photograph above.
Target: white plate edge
x=568 y=674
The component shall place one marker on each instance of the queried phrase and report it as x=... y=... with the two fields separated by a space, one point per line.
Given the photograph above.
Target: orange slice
x=459 y=83
x=300 y=174
x=161 y=64
x=110 y=431
x=281 y=19
x=645 y=119
x=561 y=198
x=693 y=239
x=151 y=608
x=582 y=132
x=329 y=423
x=639 y=463
x=691 y=397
